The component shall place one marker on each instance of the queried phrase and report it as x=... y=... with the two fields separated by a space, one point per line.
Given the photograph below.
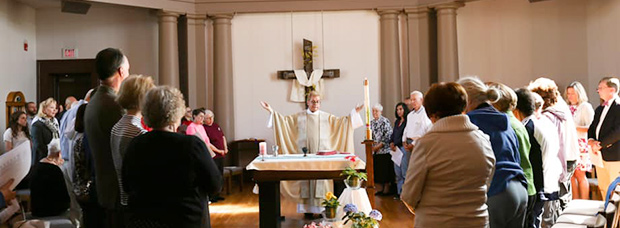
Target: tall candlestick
x=367 y=108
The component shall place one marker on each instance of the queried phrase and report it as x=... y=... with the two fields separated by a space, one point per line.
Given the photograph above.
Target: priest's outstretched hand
x=359 y=108
x=266 y=106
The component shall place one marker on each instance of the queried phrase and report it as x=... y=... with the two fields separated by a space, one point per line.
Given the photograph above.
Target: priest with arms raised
x=316 y=131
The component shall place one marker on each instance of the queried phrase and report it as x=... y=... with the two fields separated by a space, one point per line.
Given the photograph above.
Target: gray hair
x=378 y=107
x=163 y=106
x=477 y=91
x=209 y=112
x=53 y=146
x=417 y=93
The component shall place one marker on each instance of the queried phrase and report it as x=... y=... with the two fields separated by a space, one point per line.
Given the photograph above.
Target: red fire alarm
x=25 y=45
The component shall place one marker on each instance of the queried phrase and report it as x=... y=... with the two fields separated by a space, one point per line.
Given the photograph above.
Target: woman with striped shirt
x=129 y=126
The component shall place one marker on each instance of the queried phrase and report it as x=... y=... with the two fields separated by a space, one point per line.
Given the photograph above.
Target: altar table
x=269 y=172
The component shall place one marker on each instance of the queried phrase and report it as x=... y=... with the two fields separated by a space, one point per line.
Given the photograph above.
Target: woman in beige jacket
x=452 y=165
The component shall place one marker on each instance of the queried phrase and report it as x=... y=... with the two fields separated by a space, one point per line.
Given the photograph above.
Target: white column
x=168 y=48
x=197 y=60
x=448 y=59
x=222 y=73
x=419 y=48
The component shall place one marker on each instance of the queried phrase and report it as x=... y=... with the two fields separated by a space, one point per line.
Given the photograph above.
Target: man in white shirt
x=418 y=124
x=604 y=132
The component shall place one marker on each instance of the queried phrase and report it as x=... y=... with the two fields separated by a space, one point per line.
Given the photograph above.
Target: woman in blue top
x=507 y=196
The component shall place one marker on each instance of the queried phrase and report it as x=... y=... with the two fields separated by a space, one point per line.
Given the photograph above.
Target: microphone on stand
x=305 y=150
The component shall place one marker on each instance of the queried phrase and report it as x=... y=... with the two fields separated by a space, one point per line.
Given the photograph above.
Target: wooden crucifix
x=308 y=67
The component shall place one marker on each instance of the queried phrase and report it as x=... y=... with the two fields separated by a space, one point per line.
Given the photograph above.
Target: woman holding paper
x=396 y=143
x=381 y=133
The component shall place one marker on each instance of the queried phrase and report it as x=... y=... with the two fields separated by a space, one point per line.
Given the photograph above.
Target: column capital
x=449 y=5
x=196 y=19
x=217 y=16
x=166 y=16
x=388 y=11
x=417 y=10
x=196 y=16
x=168 y=13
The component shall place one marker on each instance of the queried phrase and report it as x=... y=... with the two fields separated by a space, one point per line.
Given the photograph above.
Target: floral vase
x=353 y=183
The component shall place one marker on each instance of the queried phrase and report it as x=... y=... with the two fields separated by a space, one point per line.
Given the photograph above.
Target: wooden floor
x=241 y=210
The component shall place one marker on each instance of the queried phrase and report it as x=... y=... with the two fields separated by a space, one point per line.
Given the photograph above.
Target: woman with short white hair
x=182 y=161
x=382 y=134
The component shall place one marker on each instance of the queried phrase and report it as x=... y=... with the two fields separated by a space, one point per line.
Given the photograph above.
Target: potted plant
x=331 y=204
x=360 y=219
x=353 y=178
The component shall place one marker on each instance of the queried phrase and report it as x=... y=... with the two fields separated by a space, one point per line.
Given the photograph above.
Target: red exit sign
x=69 y=53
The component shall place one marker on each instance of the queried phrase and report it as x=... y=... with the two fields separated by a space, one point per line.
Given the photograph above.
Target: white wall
x=603 y=42
x=268 y=42
x=17 y=67
x=133 y=30
x=514 y=41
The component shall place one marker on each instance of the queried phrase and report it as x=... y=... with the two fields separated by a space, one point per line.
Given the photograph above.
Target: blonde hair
x=508 y=97
x=43 y=105
x=132 y=91
x=477 y=91
x=163 y=106
x=579 y=90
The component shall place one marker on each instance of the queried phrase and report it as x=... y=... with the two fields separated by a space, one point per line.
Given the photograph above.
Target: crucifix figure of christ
x=310 y=79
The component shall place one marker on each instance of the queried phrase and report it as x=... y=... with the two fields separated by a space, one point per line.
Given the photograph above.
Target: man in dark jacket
x=101 y=114
x=604 y=132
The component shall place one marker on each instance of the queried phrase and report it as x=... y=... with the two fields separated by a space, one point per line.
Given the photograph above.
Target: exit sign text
x=69 y=53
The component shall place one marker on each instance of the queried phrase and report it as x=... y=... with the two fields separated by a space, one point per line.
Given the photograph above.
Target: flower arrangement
x=351 y=173
x=330 y=200
x=314 y=225
x=331 y=204
x=354 y=178
x=359 y=219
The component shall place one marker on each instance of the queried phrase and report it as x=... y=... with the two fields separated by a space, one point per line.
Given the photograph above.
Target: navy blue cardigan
x=505 y=146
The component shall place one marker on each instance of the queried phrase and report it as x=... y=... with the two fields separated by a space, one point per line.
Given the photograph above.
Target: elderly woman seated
x=168 y=176
x=451 y=166
x=50 y=187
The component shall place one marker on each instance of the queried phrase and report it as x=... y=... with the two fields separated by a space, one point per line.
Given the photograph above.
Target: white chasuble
x=316 y=131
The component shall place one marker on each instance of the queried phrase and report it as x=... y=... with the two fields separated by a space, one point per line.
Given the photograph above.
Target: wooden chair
x=227 y=181
x=234 y=171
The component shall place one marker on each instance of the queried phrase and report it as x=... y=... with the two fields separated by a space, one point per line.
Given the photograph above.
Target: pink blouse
x=198 y=130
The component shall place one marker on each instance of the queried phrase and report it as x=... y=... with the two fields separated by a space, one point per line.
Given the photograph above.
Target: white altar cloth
x=313 y=162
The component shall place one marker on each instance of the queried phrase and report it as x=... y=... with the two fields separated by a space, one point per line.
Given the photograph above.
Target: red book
x=326 y=152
